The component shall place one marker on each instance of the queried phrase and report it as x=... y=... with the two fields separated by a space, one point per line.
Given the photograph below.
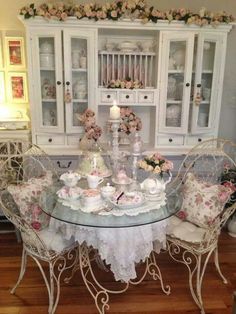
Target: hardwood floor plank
x=147 y=298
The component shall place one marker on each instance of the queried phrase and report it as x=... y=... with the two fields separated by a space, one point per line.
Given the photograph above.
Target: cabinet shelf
x=172 y=101
x=79 y=70
x=47 y=69
x=80 y=100
x=130 y=105
x=49 y=100
x=176 y=71
x=123 y=53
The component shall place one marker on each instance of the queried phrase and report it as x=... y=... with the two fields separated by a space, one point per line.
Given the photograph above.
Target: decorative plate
x=128 y=200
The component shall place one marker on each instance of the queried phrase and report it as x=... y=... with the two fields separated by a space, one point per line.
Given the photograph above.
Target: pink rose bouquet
x=126 y=84
x=156 y=163
x=130 y=122
x=92 y=130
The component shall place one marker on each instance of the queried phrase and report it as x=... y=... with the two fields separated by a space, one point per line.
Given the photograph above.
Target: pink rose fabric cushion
x=26 y=196
x=202 y=201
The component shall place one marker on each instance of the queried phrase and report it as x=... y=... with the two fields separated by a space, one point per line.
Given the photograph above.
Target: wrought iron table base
x=99 y=293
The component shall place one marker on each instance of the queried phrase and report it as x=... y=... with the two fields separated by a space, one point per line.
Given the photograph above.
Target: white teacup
x=70 y=178
x=107 y=191
x=94 y=181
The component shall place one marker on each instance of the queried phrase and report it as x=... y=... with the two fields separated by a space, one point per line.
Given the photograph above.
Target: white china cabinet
x=62 y=86
x=178 y=70
x=190 y=86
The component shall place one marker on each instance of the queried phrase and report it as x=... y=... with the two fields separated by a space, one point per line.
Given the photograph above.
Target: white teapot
x=154 y=186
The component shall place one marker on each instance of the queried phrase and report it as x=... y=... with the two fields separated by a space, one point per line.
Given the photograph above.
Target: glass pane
x=79 y=53
x=203 y=115
x=49 y=113
x=175 y=84
x=79 y=69
x=78 y=108
x=173 y=115
x=48 y=81
x=177 y=55
x=208 y=56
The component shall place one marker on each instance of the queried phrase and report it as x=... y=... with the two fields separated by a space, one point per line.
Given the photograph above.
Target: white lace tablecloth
x=122 y=248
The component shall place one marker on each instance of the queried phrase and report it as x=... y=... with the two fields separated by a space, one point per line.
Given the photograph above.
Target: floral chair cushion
x=202 y=201
x=26 y=196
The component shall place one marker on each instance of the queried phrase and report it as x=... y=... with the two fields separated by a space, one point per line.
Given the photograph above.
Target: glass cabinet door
x=207 y=71
x=176 y=77
x=79 y=78
x=47 y=76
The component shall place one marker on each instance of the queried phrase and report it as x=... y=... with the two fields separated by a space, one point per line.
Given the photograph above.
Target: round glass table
x=51 y=205
x=121 y=241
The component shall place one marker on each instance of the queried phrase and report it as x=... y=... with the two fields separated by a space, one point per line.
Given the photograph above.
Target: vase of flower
x=159 y=170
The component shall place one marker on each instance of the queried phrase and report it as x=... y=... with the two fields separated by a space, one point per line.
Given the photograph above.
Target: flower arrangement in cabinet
x=132 y=9
x=126 y=83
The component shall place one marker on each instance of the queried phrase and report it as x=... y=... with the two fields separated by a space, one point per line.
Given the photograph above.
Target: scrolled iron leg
x=196 y=270
x=217 y=264
x=99 y=294
x=155 y=272
x=22 y=270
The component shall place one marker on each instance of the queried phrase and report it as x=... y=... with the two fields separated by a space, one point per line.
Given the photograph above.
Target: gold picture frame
x=1 y=53
x=15 y=53
x=17 y=88
x=2 y=88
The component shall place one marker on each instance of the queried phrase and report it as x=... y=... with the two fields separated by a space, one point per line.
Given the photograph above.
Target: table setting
x=105 y=206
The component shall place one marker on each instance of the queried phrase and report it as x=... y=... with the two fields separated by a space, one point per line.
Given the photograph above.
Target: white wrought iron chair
x=207 y=162
x=8 y=148
x=17 y=169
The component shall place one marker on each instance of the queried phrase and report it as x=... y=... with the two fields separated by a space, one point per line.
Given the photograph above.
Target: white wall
x=8 y=20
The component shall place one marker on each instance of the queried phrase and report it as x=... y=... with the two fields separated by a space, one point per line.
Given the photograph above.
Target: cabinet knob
x=170 y=140
x=108 y=96
x=187 y=84
x=50 y=140
x=199 y=85
x=145 y=97
x=199 y=140
x=127 y=96
x=67 y=83
x=58 y=82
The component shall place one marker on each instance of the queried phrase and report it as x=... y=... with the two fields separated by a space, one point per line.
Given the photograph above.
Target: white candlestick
x=114 y=112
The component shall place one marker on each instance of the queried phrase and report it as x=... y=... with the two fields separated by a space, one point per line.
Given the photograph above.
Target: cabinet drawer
x=170 y=140
x=146 y=97
x=194 y=140
x=127 y=97
x=74 y=140
x=108 y=96
x=50 y=140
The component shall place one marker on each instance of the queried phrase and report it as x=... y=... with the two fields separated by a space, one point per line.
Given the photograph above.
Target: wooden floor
x=31 y=295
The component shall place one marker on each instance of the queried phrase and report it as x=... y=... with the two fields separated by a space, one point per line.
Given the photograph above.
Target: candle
x=114 y=112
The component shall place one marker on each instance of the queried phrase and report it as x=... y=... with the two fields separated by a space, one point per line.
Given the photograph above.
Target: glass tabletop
x=52 y=206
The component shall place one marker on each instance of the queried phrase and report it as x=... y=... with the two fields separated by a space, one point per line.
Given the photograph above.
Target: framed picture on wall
x=1 y=61
x=18 y=92
x=2 y=88
x=15 y=52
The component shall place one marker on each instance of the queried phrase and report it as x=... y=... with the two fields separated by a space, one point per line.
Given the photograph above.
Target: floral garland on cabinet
x=123 y=9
